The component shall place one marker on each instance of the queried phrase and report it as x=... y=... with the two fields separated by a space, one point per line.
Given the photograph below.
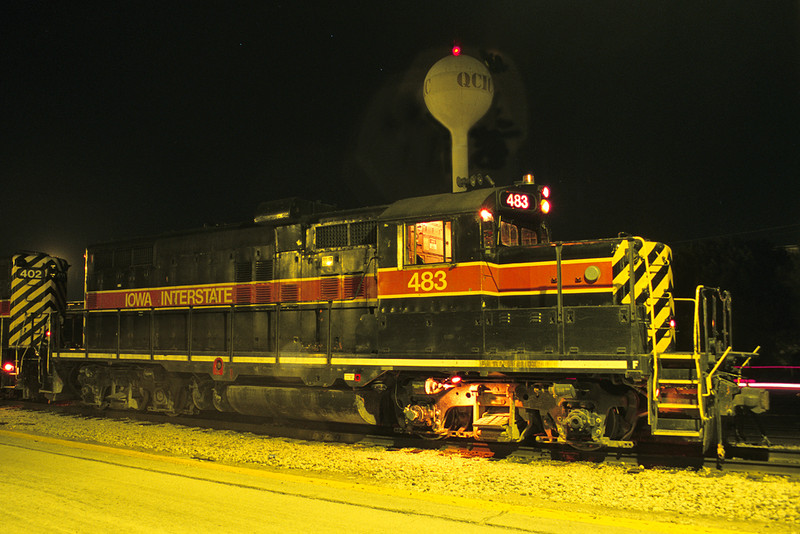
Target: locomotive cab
x=466 y=227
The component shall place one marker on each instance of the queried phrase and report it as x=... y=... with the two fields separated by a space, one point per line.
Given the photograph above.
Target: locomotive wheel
x=181 y=402
x=101 y=403
x=430 y=436
x=144 y=395
x=587 y=446
x=202 y=394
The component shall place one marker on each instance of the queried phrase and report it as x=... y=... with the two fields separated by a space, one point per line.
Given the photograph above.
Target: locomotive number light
x=486 y=215
x=544 y=206
x=9 y=368
x=518 y=201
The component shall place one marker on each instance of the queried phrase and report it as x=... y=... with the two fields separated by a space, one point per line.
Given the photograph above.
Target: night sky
x=673 y=120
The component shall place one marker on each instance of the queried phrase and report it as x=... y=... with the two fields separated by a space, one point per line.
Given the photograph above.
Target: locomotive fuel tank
x=306 y=403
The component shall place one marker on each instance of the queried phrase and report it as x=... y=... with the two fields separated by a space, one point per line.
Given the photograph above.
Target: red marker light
x=456 y=50
x=768 y=385
x=672 y=323
x=9 y=368
x=546 y=192
x=544 y=205
x=455 y=380
x=486 y=215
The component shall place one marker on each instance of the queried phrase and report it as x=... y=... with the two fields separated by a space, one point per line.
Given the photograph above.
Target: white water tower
x=458 y=91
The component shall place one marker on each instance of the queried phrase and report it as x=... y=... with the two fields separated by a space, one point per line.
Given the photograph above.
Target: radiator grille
x=329 y=289
x=364 y=233
x=332 y=236
x=290 y=292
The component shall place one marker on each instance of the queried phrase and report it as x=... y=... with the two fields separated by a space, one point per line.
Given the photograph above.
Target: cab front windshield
x=513 y=235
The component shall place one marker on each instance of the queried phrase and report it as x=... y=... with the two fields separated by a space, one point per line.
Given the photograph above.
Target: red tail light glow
x=10 y=368
x=544 y=206
x=787 y=386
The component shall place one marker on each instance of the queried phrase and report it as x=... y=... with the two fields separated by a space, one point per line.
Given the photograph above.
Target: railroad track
x=780 y=460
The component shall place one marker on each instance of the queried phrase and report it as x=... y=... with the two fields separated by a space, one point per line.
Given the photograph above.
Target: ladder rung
x=681 y=424
x=492 y=420
x=686 y=433
x=673 y=356
x=676 y=406
x=676 y=381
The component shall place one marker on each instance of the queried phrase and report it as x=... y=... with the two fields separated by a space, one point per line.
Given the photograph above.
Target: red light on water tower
x=456 y=50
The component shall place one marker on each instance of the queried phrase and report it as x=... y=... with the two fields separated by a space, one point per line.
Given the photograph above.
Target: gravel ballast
x=755 y=503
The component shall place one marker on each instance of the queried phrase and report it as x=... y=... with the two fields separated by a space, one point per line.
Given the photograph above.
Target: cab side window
x=428 y=242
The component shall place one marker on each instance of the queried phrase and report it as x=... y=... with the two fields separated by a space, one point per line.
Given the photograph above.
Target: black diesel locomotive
x=449 y=315
x=33 y=294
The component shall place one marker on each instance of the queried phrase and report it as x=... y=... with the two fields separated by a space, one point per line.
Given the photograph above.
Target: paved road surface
x=49 y=485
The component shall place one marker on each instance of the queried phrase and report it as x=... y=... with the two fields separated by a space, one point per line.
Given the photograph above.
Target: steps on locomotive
x=678 y=376
x=677 y=411
x=492 y=425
